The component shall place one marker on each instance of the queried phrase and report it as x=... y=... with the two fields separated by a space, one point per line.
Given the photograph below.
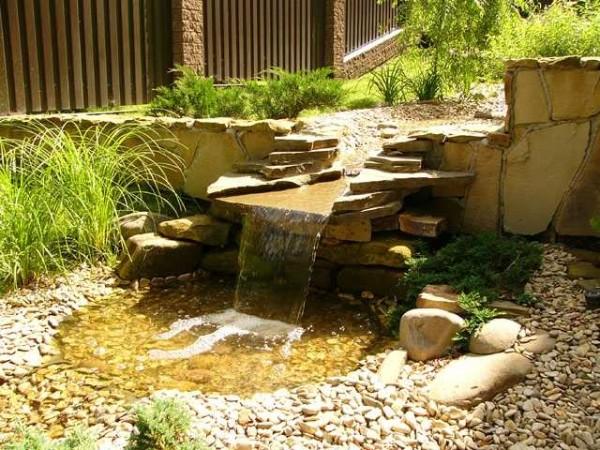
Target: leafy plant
x=477 y=315
x=389 y=82
x=63 y=189
x=164 y=425
x=233 y=101
x=457 y=33
x=426 y=85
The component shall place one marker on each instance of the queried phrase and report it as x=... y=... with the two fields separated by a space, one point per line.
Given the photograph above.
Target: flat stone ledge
x=557 y=63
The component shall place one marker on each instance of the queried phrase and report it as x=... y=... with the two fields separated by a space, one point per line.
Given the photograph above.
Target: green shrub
x=280 y=94
x=63 y=188
x=164 y=425
x=485 y=263
x=285 y=94
x=32 y=439
x=191 y=95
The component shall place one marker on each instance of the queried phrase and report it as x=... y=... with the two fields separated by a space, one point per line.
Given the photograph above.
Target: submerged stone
x=378 y=280
x=150 y=255
x=583 y=270
x=221 y=261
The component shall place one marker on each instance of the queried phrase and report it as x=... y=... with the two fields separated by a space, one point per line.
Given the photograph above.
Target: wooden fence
x=245 y=37
x=60 y=55
x=367 y=21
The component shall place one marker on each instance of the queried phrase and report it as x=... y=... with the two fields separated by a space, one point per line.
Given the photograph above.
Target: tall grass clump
x=163 y=425
x=63 y=188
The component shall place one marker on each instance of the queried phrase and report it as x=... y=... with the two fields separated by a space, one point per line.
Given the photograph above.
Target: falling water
x=277 y=253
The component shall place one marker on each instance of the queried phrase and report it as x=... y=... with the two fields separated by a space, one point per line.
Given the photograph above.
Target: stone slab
x=359 y=230
x=391 y=167
x=369 y=213
x=359 y=202
x=405 y=144
x=327 y=154
x=371 y=180
x=200 y=228
x=387 y=251
x=538 y=173
x=424 y=225
x=301 y=142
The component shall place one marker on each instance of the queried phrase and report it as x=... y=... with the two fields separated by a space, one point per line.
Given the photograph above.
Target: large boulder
x=473 y=379
x=495 y=336
x=150 y=255
x=439 y=296
x=428 y=333
x=140 y=223
x=200 y=228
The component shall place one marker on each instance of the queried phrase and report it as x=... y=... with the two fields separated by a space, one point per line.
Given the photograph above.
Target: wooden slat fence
x=367 y=21
x=62 y=55
x=243 y=38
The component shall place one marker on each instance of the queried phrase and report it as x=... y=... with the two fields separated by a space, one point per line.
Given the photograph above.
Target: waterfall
x=277 y=253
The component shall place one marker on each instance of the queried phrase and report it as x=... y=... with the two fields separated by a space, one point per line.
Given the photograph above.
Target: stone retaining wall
x=542 y=173
x=207 y=148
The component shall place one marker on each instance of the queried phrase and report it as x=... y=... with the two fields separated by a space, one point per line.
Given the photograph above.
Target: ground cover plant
x=481 y=267
x=32 y=439
x=277 y=94
x=63 y=188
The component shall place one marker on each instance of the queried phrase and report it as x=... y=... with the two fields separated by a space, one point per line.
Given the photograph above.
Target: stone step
x=422 y=224
x=391 y=167
x=275 y=172
x=239 y=184
x=302 y=142
x=373 y=180
x=359 y=202
x=400 y=160
x=369 y=213
x=405 y=144
x=326 y=154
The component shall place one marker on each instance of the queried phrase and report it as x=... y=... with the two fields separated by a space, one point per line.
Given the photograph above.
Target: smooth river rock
x=392 y=365
x=495 y=336
x=427 y=333
x=473 y=379
x=140 y=223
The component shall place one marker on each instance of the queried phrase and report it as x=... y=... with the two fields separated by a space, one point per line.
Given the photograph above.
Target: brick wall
x=188 y=43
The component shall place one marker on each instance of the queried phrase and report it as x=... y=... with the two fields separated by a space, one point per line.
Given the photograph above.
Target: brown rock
x=538 y=343
x=324 y=155
x=199 y=228
x=372 y=180
x=150 y=255
x=509 y=308
x=530 y=104
x=384 y=251
x=439 y=297
x=417 y=224
x=428 y=333
x=495 y=336
x=583 y=270
x=140 y=223
x=358 y=230
x=538 y=172
x=359 y=202
x=586 y=255
x=406 y=144
x=473 y=379
x=369 y=213
x=575 y=94
x=221 y=261
x=299 y=142
x=388 y=223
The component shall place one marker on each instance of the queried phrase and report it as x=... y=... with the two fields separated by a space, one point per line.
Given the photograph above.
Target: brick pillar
x=188 y=37
x=335 y=35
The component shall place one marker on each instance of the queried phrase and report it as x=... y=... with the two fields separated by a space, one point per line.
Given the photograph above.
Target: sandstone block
x=439 y=297
x=358 y=230
x=200 y=228
x=388 y=252
x=424 y=225
x=473 y=379
x=574 y=94
x=428 y=333
x=539 y=170
x=150 y=255
x=495 y=336
x=140 y=223
x=530 y=104
x=359 y=202
x=221 y=261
